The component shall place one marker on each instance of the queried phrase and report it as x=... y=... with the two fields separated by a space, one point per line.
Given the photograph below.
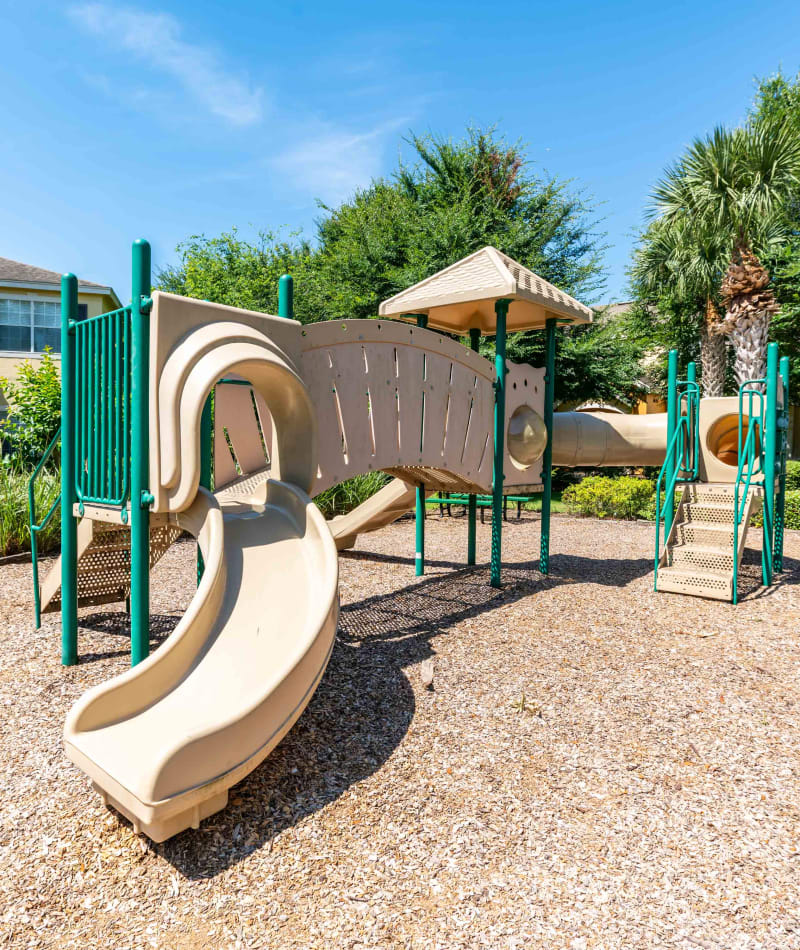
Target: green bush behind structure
x=599 y=496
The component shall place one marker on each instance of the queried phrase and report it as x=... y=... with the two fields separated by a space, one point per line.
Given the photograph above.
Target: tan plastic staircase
x=698 y=556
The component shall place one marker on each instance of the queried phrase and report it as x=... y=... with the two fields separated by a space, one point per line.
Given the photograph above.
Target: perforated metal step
x=688 y=580
x=703 y=558
x=709 y=513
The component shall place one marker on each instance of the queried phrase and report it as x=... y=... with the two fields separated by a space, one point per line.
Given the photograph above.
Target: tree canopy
x=453 y=198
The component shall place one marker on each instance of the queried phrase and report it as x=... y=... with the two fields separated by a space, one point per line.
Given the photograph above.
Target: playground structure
x=296 y=409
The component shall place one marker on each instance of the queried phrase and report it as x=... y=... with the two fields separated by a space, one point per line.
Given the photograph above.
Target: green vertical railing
x=419 y=510
x=547 y=459
x=141 y=499
x=498 y=475
x=69 y=524
x=102 y=410
x=472 y=505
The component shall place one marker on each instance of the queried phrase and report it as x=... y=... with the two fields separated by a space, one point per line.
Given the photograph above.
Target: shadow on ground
x=115 y=623
x=365 y=703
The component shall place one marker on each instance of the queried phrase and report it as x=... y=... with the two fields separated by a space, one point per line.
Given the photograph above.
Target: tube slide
x=596 y=439
x=165 y=741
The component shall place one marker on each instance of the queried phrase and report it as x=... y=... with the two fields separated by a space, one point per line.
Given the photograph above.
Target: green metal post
x=672 y=424
x=780 y=503
x=419 y=515
x=140 y=453
x=770 y=458
x=472 y=501
x=205 y=466
x=501 y=312
x=286 y=297
x=691 y=377
x=547 y=459
x=69 y=524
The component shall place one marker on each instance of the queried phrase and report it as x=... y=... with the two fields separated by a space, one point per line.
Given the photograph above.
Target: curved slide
x=381 y=509
x=165 y=741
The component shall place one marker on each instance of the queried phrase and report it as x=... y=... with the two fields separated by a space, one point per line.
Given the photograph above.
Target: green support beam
x=419 y=514
x=501 y=312
x=69 y=524
x=770 y=459
x=140 y=453
x=472 y=507
x=672 y=424
x=286 y=297
x=780 y=502
x=547 y=459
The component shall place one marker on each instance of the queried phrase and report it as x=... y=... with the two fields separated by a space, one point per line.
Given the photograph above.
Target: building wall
x=10 y=361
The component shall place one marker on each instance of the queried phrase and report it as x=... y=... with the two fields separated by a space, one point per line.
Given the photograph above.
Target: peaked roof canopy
x=462 y=297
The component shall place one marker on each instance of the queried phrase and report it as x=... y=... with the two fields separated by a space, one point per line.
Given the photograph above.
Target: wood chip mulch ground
x=595 y=765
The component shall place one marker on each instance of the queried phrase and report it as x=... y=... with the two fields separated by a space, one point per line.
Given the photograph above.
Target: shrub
x=602 y=497
x=792 y=510
x=14 y=532
x=342 y=498
x=792 y=476
x=34 y=415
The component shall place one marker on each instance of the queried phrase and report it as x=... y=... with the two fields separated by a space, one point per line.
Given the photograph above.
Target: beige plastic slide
x=164 y=742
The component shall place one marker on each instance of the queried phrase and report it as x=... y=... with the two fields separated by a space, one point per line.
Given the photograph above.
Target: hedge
x=599 y=496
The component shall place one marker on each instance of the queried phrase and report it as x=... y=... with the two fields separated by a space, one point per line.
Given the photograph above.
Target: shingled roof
x=19 y=273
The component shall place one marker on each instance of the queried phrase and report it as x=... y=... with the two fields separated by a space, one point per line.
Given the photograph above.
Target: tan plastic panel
x=166 y=740
x=389 y=395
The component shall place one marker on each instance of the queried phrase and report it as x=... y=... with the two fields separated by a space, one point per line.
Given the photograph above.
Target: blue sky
x=165 y=119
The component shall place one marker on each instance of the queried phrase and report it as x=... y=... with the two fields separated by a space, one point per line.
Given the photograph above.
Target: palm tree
x=738 y=184
x=678 y=258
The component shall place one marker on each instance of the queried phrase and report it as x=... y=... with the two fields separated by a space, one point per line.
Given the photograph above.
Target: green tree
x=452 y=199
x=677 y=271
x=233 y=271
x=739 y=184
x=34 y=414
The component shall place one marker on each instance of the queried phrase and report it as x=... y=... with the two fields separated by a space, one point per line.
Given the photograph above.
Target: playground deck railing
x=102 y=406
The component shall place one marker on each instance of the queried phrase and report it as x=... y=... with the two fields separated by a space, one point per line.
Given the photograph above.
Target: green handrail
x=751 y=460
x=36 y=528
x=676 y=448
x=681 y=459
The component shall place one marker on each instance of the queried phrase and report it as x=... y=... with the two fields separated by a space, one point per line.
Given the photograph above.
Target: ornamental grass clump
x=342 y=498
x=14 y=531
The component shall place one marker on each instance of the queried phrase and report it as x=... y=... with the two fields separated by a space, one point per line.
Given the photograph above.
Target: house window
x=29 y=326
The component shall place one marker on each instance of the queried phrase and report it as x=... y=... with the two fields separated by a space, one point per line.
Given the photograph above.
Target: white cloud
x=332 y=164
x=155 y=38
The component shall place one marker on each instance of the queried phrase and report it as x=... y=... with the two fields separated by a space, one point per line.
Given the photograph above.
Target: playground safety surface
x=595 y=766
